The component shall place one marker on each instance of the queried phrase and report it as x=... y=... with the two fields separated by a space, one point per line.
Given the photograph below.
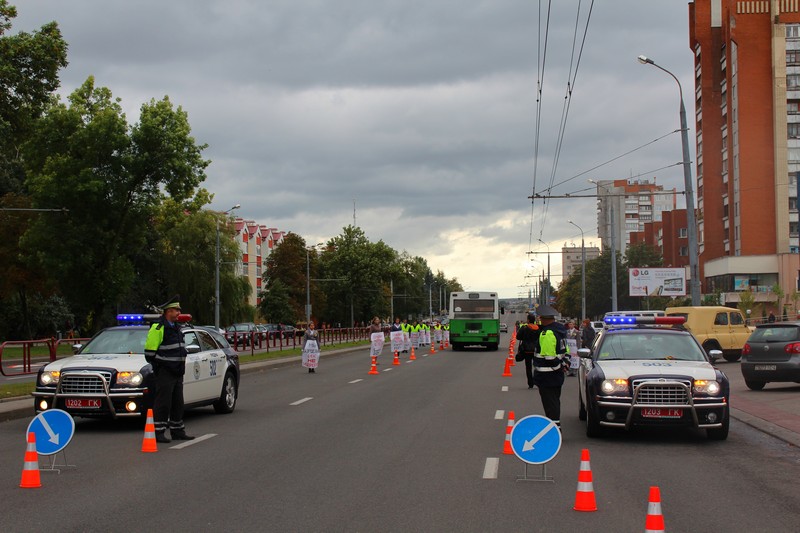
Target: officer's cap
x=172 y=303
x=545 y=311
x=531 y=317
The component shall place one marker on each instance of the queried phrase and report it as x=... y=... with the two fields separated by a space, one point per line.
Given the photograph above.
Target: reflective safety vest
x=406 y=327
x=165 y=347
x=446 y=327
x=550 y=355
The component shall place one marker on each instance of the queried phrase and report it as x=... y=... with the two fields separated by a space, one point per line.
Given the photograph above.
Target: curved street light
x=216 y=271
x=694 y=271
x=583 y=272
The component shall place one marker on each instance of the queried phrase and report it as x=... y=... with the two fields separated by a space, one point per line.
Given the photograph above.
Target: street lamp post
x=613 y=232
x=216 y=272
x=308 y=283
x=583 y=272
x=694 y=271
x=547 y=289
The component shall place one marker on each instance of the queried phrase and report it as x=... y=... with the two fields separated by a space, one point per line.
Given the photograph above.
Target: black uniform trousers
x=549 y=385
x=529 y=370
x=168 y=403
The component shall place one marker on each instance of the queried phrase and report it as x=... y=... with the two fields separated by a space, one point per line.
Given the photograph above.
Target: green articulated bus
x=474 y=320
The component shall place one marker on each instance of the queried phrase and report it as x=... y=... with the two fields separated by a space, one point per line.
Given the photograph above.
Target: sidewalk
x=23 y=407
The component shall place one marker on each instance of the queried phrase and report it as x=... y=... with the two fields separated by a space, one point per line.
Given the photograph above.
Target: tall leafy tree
x=111 y=176
x=29 y=65
x=286 y=264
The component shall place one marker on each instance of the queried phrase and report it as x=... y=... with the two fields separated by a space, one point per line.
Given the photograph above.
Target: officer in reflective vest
x=165 y=350
x=406 y=327
x=549 y=358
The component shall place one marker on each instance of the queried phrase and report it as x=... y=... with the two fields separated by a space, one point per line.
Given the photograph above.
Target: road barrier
x=16 y=357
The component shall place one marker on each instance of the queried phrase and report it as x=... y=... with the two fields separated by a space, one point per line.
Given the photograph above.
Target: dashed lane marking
x=504 y=388
x=490 y=468
x=388 y=369
x=304 y=400
x=498 y=415
x=188 y=443
x=355 y=381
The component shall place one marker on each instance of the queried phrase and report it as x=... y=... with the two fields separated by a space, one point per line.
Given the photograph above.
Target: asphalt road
x=405 y=450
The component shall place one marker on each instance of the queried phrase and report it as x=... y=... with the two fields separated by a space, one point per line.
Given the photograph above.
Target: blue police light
x=130 y=318
x=623 y=320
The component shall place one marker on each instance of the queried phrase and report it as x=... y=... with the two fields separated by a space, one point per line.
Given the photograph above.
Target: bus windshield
x=475 y=309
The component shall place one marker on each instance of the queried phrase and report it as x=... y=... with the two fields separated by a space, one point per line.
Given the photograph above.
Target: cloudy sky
x=418 y=117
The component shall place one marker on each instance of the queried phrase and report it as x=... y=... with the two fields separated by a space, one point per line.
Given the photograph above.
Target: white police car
x=109 y=377
x=640 y=373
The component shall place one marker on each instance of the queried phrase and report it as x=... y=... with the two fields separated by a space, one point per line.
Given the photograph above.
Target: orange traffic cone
x=509 y=426
x=441 y=346
x=507 y=370
x=149 y=440
x=30 y=468
x=374 y=368
x=433 y=347
x=655 y=520
x=584 y=497
x=396 y=361
x=412 y=357
x=511 y=360
x=446 y=343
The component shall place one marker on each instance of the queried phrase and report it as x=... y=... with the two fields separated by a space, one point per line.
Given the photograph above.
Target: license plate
x=82 y=403
x=662 y=413
x=766 y=367
x=473 y=331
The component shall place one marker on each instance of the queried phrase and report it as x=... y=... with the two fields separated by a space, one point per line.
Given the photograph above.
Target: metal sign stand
x=52 y=460
x=544 y=476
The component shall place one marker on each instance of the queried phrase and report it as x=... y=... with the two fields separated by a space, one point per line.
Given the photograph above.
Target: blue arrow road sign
x=54 y=429
x=535 y=439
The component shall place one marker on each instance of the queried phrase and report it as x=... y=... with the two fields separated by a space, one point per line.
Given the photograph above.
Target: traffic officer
x=165 y=350
x=544 y=347
x=406 y=327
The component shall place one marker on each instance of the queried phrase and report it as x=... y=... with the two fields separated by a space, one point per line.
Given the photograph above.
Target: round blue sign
x=54 y=429
x=535 y=439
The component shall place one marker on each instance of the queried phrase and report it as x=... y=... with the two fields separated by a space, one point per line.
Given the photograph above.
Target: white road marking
x=409 y=362
x=201 y=438
x=355 y=381
x=504 y=389
x=498 y=415
x=388 y=369
x=490 y=469
x=298 y=402
x=424 y=355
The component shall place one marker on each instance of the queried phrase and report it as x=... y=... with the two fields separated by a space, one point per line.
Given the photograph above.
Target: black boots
x=162 y=437
x=179 y=434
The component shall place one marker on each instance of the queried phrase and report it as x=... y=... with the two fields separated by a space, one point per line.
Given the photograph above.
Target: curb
x=774 y=430
x=14 y=409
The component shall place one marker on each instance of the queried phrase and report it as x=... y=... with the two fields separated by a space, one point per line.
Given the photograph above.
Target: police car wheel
x=593 y=427
x=719 y=433
x=227 y=398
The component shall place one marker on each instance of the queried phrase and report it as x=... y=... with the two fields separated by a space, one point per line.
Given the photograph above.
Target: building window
x=793 y=204
x=792 y=31
x=792 y=81
x=794 y=131
x=682 y=233
x=793 y=229
x=683 y=251
x=792 y=57
x=791 y=105
x=725 y=213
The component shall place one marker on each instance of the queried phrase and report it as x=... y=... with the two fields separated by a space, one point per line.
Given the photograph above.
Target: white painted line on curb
x=195 y=441
x=498 y=415
x=490 y=469
x=304 y=400
x=355 y=381
x=504 y=389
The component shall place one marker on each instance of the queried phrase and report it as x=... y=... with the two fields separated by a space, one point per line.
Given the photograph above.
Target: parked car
x=642 y=374
x=240 y=334
x=772 y=354
x=716 y=328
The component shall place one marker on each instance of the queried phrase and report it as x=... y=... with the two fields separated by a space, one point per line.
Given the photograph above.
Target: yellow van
x=716 y=328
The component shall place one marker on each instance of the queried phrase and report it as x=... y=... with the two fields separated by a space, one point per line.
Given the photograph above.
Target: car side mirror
x=714 y=355
x=585 y=353
x=193 y=348
x=76 y=347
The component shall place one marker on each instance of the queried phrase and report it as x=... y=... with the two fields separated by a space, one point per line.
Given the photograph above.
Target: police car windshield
x=648 y=345
x=121 y=340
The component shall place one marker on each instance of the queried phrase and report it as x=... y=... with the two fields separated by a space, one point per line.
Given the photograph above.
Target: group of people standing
x=544 y=345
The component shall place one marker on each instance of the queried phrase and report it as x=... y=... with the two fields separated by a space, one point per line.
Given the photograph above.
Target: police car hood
x=643 y=367
x=122 y=361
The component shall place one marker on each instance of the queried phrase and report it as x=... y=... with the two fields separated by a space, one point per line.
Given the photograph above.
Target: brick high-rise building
x=747 y=99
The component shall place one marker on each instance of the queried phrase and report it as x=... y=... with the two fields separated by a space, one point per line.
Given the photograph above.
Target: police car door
x=212 y=365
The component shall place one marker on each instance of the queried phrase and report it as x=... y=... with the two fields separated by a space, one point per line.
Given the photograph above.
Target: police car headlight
x=133 y=379
x=712 y=388
x=50 y=377
x=614 y=386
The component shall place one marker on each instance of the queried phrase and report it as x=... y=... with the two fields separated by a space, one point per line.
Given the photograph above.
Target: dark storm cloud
x=422 y=112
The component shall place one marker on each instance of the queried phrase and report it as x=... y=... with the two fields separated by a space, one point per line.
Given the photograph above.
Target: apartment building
x=625 y=206
x=255 y=242
x=669 y=236
x=571 y=258
x=747 y=100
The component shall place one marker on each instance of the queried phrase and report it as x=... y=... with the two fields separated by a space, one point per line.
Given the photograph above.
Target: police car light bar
x=136 y=318
x=633 y=320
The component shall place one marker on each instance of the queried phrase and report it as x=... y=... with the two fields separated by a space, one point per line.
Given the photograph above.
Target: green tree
x=286 y=265
x=276 y=304
x=111 y=176
x=29 y=65
x=777 y=290
x=747 y=302
x=642 y=255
